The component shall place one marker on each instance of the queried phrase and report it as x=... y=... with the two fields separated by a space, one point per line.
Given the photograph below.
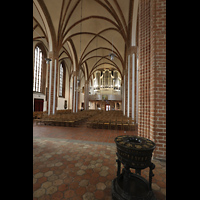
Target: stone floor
x=80 y=163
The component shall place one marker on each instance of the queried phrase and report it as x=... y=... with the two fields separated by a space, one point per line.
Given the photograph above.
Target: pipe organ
x=107 y=79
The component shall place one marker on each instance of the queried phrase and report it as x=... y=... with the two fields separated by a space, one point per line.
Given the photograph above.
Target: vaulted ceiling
x=85 y=32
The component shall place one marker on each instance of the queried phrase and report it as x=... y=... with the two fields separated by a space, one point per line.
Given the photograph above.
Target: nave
x=99 y=71
x=105 y=56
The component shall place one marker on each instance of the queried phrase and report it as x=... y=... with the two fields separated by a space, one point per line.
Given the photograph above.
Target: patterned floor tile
x=70 y=168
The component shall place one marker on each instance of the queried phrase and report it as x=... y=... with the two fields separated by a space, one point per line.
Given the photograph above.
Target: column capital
x=86 y=81
x=75 y=73
x=51 y=54
x=132 y=49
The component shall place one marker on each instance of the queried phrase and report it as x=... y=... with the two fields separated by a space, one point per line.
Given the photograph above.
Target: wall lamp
x=48 y=60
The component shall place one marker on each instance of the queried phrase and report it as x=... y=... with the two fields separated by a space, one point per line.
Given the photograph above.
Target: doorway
x=38 y=104
x=107 y=107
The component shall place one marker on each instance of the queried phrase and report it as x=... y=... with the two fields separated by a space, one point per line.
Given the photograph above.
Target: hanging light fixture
x=112 y=55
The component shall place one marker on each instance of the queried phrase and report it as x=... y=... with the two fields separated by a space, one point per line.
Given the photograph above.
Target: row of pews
x=97 y=119
x=64 y=118
x=111 y=120
x=39 y=114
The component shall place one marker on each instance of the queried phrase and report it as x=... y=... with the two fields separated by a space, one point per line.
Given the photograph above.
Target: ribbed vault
x=84 y=32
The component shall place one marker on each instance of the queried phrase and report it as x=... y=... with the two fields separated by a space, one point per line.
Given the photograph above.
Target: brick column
x=158 y=76
x=152 y=73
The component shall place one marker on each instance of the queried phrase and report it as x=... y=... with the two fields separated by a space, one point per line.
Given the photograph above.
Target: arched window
x=62 y=81
x=37 y=79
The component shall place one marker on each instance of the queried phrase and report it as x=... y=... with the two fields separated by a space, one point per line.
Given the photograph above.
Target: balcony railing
x=100 y=97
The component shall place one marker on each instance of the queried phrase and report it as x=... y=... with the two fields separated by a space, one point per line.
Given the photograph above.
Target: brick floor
x=78 y=133
x=80 y=163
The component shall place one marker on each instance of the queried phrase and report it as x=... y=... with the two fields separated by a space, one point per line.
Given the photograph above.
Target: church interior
x=99 y=72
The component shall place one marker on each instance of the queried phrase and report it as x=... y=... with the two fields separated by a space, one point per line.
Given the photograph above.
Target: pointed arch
x=39 y=68
x=45 y=16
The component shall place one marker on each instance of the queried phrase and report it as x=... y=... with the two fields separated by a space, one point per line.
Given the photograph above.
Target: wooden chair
x=71 y=123
x=119 y=124
x=38 y=121
x=106 y=124
x=113 y=124
x=100 y=124
x=95 y=124
x=125 y=125
x=89 y=123
x=131 y=125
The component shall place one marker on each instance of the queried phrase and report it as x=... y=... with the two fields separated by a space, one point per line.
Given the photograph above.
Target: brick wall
x=144 y=69
x=152 y=73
